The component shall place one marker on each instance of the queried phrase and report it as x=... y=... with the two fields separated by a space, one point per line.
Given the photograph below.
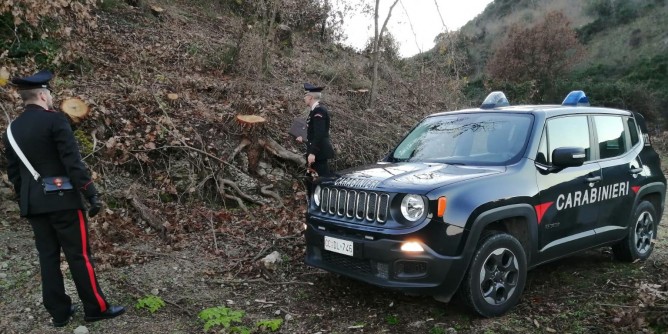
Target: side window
x=541 y=156
x=571 y=131
x=611 y=136
x=633 y=131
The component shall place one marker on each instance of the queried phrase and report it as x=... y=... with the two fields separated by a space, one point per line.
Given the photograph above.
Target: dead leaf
x=4 y=76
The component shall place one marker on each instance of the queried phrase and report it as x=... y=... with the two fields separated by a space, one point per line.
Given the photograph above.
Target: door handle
x=593 y=179
x=636 y=170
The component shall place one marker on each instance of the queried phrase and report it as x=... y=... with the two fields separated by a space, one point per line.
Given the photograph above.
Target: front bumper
x=381 y=262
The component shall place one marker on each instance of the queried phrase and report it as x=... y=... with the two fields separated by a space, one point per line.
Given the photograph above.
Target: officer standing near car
x=58 y=221
x=318 y=145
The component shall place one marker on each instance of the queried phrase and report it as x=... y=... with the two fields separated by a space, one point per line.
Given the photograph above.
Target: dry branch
x=244 y=142
x=238 y=190
x=148 y=216
x=276 y=149
x=265 y=191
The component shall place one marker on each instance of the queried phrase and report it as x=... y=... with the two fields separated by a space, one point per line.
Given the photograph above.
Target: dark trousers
x=321 y=167
x=68 y=230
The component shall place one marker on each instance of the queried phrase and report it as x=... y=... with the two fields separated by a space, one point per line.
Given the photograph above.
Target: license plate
x=344 y=247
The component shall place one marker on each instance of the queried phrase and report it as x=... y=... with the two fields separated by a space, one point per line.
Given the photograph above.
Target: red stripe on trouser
x=89 y=266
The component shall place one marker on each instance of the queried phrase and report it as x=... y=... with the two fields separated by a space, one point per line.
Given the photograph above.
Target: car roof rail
x=495 y=100
x=576 y=98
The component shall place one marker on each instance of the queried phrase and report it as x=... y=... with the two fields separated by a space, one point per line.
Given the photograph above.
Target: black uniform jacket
x=46 y=139
x=317 y=128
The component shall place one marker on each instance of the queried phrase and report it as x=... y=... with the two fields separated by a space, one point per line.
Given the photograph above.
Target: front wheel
x=639 y=241
x=496 y=277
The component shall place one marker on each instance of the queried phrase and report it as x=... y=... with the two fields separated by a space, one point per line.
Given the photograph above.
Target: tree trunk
x=376 y=47
x=269 y=17
x=323 y=29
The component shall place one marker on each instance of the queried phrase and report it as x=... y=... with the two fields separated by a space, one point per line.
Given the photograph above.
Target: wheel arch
x=654 y=193
x=518 y=220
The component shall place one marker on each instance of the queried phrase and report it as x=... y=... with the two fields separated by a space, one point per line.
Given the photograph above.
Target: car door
x=618 y=148
x=566 y=217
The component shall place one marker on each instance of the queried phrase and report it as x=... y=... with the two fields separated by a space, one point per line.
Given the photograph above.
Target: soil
x=585 y=293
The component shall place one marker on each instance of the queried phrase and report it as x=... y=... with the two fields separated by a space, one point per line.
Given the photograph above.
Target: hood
x=415 y=177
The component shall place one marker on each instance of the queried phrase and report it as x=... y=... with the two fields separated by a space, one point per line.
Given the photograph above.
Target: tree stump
x=76 y=108
x=251 y=127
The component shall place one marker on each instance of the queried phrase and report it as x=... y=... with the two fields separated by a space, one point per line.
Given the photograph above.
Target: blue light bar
x=495 y=100
x=576 y=98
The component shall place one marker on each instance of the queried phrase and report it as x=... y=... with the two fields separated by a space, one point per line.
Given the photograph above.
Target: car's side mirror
x=563 y=157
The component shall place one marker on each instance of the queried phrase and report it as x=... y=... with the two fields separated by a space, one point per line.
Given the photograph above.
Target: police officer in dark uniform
x=58 y=220
x=318 y=145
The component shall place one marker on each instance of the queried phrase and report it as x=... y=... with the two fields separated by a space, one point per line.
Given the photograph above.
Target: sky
x=424 y=17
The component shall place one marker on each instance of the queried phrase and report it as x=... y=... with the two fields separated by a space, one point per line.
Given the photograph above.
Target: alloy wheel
x=644 y=233
x=498 y=276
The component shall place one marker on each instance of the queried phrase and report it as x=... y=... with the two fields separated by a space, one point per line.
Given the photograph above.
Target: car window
x=469 y=139
x=570 y=131
x=611 y=136
x=633 y=131
x=542 y=156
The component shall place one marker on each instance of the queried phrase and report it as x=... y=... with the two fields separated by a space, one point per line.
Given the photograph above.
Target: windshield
x=467 y=139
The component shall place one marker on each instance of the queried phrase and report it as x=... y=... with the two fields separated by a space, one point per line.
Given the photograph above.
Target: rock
x=81 y=330
x=272 y=260
x=6 y=193
x=288 y=317
x=155 y=292
x=9 y=207
x=284 y=36
x=3 y=275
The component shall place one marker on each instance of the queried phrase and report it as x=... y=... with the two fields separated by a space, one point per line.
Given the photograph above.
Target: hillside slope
x=625 y=43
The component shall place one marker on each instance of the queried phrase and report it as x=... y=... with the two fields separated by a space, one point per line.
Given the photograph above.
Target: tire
x=639 y=242
x=496 y=277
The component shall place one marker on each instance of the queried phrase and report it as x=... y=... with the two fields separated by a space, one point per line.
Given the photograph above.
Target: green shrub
x=151 y=302
x=221 y=316
x=271 y=325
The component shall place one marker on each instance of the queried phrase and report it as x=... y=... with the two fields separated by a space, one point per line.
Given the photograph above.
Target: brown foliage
x=541 y=53
x=73 y=16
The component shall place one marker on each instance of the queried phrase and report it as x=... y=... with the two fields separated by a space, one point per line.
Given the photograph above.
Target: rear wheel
x=496 y=277
x=639 y=241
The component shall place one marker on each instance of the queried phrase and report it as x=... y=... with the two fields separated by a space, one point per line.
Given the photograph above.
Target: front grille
x=346 y=262
x=364 y=206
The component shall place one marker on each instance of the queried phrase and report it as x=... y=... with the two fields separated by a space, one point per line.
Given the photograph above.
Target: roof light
x=495 y=100
x=576 y=98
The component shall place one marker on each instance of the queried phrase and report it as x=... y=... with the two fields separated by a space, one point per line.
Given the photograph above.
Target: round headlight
x=412 y=207
x=316 y=195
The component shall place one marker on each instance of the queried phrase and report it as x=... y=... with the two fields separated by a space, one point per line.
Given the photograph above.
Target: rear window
x=633 y=131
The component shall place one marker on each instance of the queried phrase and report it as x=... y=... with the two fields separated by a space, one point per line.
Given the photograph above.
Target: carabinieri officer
x=58 y=220
x=318 y=145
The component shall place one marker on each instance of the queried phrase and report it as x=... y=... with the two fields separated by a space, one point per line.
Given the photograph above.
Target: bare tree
x=376 y=46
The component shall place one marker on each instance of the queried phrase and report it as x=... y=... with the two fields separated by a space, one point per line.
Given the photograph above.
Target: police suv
x=470 y=200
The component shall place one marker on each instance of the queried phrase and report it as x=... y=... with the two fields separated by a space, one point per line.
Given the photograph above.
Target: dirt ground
x=586 y=293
